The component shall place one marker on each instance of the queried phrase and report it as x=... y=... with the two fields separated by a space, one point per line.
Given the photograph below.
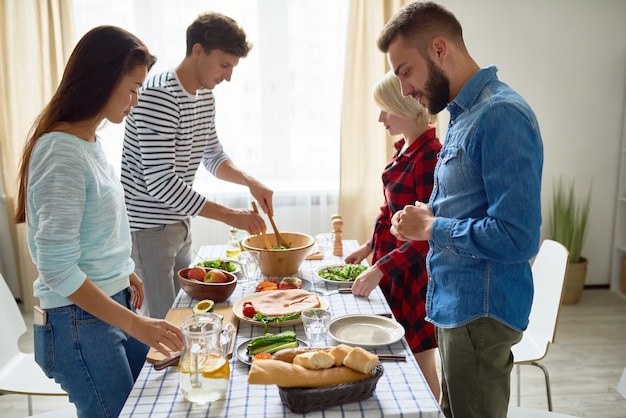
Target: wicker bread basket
x=303 y=400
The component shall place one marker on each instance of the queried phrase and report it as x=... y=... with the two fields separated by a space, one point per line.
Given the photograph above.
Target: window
x=279 y=117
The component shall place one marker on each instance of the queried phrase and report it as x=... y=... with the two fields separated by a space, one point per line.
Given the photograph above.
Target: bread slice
x=315 y=360
x=360 y=360
x=340 y=352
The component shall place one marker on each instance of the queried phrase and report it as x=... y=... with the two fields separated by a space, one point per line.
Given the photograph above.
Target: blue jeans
x=94 y=362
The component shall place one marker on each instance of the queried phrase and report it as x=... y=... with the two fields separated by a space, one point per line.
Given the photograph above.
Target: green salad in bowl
x=220 y=264
x=340 y=273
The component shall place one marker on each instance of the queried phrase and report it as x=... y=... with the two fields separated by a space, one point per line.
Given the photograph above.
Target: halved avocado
x=205 y=305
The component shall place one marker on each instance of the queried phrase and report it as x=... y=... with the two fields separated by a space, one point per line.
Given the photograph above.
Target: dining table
x=401 y=391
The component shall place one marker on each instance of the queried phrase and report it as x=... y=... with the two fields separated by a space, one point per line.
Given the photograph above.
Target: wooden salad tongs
x=280 y=241
x=268 y=246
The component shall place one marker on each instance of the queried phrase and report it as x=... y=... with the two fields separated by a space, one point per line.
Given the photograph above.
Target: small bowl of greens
x=340 y=274
x=230 y=266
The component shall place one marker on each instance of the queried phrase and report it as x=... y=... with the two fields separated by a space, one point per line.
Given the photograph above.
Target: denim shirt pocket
x=450 y=176
x=43 y=338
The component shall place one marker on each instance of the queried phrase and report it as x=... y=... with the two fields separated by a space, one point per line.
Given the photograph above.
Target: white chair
x=19 y=374
x=67 y=412
x=621 y=385
x=548 y=271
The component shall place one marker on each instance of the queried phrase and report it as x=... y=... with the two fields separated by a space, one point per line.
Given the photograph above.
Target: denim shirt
x=486 y=200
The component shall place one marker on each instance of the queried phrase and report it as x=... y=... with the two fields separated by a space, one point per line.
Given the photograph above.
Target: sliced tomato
x=248 y=309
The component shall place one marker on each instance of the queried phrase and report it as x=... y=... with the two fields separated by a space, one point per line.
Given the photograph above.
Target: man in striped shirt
x=168 y=134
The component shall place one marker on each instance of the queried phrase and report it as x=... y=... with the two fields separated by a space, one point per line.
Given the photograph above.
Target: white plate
x=242 y=351
x=335 y=282
x=365 y=330
x=238 y=310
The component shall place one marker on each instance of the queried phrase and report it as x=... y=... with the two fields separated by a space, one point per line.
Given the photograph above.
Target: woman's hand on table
x=158 y=334
x=367 y=281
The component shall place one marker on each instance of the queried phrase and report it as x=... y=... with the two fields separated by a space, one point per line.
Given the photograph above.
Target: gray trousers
x=476 y=363
x=158 y=254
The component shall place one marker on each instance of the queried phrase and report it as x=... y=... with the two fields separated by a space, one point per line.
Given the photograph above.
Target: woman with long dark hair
x=87 y=334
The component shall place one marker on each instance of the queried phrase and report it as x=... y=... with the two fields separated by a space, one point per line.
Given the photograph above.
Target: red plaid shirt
x=408 y=177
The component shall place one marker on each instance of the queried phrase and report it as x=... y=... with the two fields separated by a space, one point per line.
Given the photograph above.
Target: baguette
x=360 y=360
x=283 y=374
x=339 y=353
x=288 y=354
x=315 y=360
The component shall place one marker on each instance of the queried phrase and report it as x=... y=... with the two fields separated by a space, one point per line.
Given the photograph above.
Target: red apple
x=216 y=276
x=196 y=273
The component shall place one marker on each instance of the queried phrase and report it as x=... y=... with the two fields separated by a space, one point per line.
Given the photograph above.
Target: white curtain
x=365 y=146
x=35 y=40
x=278 y=118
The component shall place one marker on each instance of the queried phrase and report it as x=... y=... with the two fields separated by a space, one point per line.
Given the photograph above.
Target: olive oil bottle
x=233 y=247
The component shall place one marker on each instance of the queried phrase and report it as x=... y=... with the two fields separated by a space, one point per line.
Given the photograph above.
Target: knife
x=392 y=357
x=167 y=361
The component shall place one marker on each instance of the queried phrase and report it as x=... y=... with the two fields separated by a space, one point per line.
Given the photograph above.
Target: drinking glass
x=249 y=261
x=326 y=244
x=316 y=323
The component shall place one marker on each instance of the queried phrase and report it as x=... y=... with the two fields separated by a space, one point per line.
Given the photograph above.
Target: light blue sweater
x=77 y=225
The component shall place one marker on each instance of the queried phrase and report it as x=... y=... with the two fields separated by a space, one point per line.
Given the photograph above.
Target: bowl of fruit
x=206 y=283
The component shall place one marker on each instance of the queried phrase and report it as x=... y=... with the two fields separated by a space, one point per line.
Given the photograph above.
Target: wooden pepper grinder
x=337 y=224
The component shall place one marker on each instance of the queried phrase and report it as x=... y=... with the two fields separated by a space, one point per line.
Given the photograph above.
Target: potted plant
x=568 y=224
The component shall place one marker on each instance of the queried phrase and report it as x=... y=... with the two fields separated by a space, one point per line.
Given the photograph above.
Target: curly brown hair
x=216 y=31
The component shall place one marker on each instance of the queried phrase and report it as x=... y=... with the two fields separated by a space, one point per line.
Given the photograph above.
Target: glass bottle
x=203 y=369
x=232 y=246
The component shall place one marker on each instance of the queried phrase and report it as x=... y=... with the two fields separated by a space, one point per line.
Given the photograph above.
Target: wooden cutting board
x=176 y=317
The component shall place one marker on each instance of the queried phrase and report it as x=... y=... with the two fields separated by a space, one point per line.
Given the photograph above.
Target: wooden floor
x=585 y=364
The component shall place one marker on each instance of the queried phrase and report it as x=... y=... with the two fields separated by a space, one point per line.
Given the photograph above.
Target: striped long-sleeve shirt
x=167 y=135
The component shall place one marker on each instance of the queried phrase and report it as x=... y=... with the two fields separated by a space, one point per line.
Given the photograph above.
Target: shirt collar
x=471 y=90
x=428 y=135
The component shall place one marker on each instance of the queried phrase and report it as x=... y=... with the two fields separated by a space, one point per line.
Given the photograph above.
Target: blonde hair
x=388 y=96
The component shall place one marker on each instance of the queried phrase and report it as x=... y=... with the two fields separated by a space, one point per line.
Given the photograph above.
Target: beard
x=437 y=89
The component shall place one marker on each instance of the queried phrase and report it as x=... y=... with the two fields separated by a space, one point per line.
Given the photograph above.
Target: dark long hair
x=99 y=61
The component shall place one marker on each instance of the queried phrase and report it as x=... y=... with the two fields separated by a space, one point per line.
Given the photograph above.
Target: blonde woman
x=399 y=266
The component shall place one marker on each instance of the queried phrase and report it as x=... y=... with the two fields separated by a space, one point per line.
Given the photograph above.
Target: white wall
x=568 y=59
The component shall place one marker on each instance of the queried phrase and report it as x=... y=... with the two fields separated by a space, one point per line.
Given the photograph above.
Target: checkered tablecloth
x=401 y=391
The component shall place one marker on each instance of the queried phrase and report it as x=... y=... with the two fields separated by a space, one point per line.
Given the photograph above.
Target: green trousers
x=476 y=363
